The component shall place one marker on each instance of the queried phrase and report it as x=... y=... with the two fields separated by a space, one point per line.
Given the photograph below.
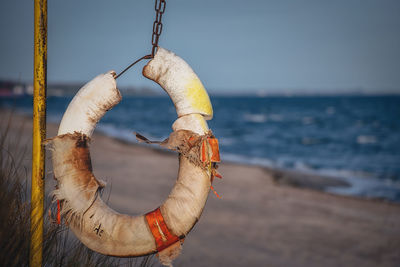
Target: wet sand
x=261 y=220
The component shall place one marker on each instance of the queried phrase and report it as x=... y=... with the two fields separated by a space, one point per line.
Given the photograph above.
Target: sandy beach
x=261 y=220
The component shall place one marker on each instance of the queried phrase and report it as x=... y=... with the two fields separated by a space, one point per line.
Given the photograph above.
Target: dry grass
x=59 y=247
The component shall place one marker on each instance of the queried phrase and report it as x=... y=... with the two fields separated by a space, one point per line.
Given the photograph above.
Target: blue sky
x=317 y=45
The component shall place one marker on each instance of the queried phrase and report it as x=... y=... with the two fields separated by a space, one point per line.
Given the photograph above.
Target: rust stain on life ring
x=80 y=154
x=77 y=155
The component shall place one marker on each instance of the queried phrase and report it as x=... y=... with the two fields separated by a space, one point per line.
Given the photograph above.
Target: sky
x=233 y=46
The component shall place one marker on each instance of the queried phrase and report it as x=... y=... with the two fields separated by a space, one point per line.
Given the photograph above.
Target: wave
x=366 y=139
x=369 y=188
x=118 y=133
x=236 y=158
x=362 y=184
x=255 y=118
x=261 y=118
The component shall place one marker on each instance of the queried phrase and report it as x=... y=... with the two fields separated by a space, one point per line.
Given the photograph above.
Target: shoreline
x=288 y=177
x=285 y=177
x=337 y=184
x=258 y=221
x=308 y=180
x=281 y=177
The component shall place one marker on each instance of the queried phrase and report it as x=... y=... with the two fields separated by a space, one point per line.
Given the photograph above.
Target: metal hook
x=157 y=29
x=127 y=68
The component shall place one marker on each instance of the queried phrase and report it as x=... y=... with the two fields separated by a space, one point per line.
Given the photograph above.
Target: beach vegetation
x=60 y=247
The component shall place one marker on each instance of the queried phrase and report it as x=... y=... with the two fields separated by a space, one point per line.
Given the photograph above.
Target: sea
x=353 y=138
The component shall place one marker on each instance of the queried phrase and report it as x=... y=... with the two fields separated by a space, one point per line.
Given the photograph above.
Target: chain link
x=157 y=25
x=157 y=29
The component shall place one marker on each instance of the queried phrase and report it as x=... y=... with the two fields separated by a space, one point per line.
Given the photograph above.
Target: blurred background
x=311 y=86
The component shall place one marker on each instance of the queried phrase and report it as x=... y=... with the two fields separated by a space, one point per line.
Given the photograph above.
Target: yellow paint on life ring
x=198 y=97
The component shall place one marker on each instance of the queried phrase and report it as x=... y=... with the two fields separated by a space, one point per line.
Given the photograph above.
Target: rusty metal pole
x=39 y=131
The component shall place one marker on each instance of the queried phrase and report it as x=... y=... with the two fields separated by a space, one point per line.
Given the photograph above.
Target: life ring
x=96 y=225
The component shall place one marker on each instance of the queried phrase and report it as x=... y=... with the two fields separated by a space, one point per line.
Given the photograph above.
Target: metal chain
x=157 y=29
x=157 y=25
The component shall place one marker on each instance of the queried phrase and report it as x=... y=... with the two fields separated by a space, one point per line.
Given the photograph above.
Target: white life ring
x=99 y=227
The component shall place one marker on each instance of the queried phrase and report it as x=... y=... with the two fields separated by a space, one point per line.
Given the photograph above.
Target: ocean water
x=356 y=139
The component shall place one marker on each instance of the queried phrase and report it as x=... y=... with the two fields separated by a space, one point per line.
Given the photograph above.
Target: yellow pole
x=39 y=131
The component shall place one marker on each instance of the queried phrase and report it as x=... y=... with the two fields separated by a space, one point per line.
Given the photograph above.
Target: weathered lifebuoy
x=99 y=227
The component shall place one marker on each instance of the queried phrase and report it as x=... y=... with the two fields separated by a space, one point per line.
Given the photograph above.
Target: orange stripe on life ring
x=210 y=150
x=204 y=152
x=214 y=149
x=163 y=237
